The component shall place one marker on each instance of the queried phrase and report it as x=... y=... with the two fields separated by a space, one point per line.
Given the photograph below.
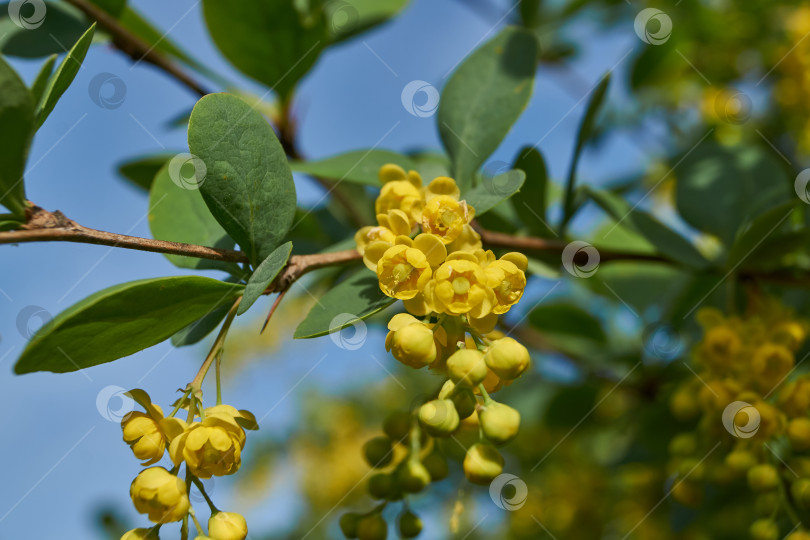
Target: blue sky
x=62 y=456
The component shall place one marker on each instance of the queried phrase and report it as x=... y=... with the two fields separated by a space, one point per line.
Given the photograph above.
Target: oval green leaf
x=264 y=275
x=17 y=121
x=122 y=320
x=248 y=185
x=484 y=97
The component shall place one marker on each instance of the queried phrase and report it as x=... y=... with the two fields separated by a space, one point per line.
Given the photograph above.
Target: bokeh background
x=66 y=471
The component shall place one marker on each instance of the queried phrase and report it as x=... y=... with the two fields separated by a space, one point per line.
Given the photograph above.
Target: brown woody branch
x=44 y=226
x=135 y=47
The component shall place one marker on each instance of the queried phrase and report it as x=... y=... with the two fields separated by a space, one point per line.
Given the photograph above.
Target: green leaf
x=639 y=284
x=196 y=331
x=64 y=75
x=359 y=166
x=493 y=190
x=585 y=130
x=39 y=84
x=141 y=171
x=17 y=121
x=269 y=41
x=348 y=18
x=177 y=213
x=720 y=188
x=484 y=97
x=352 y=300
x=762 y=228
x=667 y=242
x=248 y=185
x=265 y=273
x=122 y=320
x=47 y=32
x=530 y=202
x=567 y=319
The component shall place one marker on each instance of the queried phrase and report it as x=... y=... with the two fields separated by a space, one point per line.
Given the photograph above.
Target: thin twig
x=135 y=47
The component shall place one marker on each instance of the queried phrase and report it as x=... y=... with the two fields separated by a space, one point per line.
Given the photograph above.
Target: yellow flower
x=770 y=364
x=369 y=234
x=400 y=195
x=720 y=346
x=227 y=526
x=460 y=286
x=159 y=494
x=446 y=217
x=213 y=447
x=403 y=272
x=148 y=433
x=507 y=281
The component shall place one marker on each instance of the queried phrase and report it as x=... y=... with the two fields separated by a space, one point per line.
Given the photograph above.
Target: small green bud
x=381 y=485
x=436 y=464
x=378 y=451
x=412 y=476
x=482 y=463
x=439 y=417
x=372 y=527
x=764 y=529
x=466 y=367
x=462 y=398
x=499 y=422
x=348 y=524
x=409 y=525
x=397 y=426
x=507 y=358
x=763 y=478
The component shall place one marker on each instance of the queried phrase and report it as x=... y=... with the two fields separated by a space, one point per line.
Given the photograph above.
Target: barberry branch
x=135 y=47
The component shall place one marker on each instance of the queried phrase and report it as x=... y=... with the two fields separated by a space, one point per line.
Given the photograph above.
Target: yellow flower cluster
x=746 y=396
x=793 y=84
x=426 y=253
x=211 y=446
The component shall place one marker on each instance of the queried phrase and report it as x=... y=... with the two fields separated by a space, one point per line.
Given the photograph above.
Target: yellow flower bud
x=159 y=494
x=507 y=358
x=213 y=447
x=482 y=463
x=400 y=195
x=442 y=185
x=445 y=217
x=391 y=172
x=720 y=346
x=412 y=476
x=682 y=403
x=410 y=526
x=507 y=282
x=794 y=399
x=798 y=535
x=227 y=526
x=439 y=417
x=466 y=367
x=688 y=493
x=403 y=272
x=764 y=529
x=413 y=345
x=499 y=422
x=463 y=398
x=141 y=534
x=740 y=461
x=459 y=286
x=683 y=444
x=148 y=433
x=372 y=527
x=763 y=478
x=798 y=431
